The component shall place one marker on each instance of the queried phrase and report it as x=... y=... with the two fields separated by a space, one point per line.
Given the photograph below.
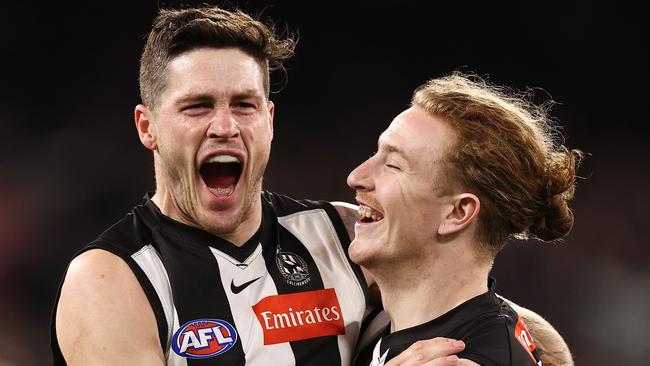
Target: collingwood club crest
x=292 y=267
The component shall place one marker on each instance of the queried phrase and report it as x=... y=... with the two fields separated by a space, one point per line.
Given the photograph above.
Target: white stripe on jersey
x=172 y=358
x=317 y=233
x=248 y=327
x=314 y=228
x=149 y=261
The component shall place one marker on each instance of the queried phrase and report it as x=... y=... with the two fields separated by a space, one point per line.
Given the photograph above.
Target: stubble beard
x=186 y=196
x=187 y=201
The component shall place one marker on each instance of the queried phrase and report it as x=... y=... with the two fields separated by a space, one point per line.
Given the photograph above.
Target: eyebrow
x=390 y=148
x=194 y=98
x=394 y=149
x=205 y=97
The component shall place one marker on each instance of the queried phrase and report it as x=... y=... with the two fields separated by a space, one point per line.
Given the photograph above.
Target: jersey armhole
x=145 y=283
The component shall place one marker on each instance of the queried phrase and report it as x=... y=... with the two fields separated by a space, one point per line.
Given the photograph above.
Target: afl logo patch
x=293 y=268
x=204 y=338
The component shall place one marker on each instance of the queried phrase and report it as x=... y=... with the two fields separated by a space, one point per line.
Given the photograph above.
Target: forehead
x=213 y=70
x=417 y=134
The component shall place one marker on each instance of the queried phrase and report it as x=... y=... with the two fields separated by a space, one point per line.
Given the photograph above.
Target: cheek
x=257 y=139
x=415 y=206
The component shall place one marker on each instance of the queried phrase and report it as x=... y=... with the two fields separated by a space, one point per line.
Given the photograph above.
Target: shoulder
x=495 y=339
x=343 y=215
x=349 y=214
x=284 y=205
x=97 y=267
x=549 y=344
x=346 y=210
x=101 y=302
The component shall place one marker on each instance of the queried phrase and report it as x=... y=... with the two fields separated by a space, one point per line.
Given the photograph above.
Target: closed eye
x=245 y=107
x=196 y=109
x=393 y=166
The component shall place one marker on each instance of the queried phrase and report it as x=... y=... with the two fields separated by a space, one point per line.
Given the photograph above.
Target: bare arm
x=550 y=345
x=103 y=316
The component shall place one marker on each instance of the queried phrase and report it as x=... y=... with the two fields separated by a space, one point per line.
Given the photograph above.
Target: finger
x=466 y=362
x=431 y=349
x=442 y=361
x=427 y=350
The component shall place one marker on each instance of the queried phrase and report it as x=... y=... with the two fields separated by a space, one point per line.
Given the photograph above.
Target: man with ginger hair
x=465 y=168
x=210 y=268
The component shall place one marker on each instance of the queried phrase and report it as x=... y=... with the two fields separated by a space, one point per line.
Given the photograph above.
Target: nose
x=360 y=179
x=223 y=125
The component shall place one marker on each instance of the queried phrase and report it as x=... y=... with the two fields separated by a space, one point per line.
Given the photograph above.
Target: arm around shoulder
x=103 y=315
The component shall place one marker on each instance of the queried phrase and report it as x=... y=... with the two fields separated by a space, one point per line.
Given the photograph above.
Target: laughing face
x=401 y=197
x=211 y=135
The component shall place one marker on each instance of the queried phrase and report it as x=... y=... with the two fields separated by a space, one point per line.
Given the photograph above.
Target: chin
x=222 y=222
x=358 y=254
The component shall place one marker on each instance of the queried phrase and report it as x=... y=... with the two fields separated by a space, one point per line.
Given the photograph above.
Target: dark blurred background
x=71 y=163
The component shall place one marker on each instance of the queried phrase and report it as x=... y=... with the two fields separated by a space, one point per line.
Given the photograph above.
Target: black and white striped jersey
x=288 y=296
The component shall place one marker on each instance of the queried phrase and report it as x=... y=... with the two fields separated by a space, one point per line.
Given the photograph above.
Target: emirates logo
x=303 y=315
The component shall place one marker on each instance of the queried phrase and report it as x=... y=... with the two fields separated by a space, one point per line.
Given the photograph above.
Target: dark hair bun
x=555 y=222
x=555 y=219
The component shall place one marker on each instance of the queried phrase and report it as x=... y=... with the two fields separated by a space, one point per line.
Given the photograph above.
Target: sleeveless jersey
x=288 y=296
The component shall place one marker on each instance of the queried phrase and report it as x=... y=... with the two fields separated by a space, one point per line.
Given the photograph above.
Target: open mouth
x=221 y=174
x=369 y=214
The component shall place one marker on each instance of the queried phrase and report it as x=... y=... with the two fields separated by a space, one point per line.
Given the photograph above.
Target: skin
x=551 y=346
x=405 y=172
x=100 y=286
x=213 y=104
x=427 y=228
x=401 y=174
x=433 y=240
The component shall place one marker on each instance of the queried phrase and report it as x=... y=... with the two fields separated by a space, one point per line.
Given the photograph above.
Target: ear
x=143 y=123
x=463 y=209
x=271 y=114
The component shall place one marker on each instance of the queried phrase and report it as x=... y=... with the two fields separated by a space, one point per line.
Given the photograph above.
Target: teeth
x=225 y=191
x=223 y=159
x=368 y=212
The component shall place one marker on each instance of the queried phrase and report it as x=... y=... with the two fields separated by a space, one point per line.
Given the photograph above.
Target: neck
x=436 y=285
x=236 y=227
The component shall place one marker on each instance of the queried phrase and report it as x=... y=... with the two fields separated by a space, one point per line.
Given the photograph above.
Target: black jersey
x=493 y=333
x=288 y=296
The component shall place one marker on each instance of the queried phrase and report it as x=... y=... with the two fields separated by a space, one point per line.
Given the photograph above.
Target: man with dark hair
x=210 y=269
x=465 y=168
